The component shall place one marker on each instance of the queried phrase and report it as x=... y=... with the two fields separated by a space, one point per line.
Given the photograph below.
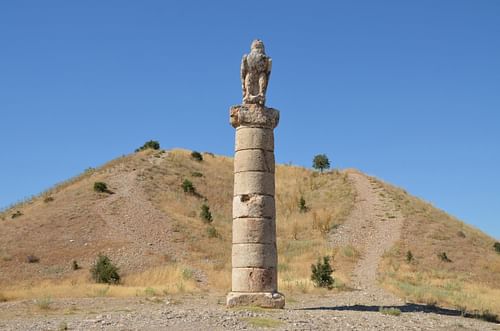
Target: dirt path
x=133 y=219
x=373 y=227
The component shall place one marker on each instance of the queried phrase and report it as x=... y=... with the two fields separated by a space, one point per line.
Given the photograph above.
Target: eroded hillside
x=152 y=229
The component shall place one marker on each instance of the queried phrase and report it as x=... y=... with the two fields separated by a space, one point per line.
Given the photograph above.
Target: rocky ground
x=333 y=312
x=374 y=226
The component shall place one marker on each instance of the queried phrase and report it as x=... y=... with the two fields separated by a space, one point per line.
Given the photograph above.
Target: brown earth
x=151 y=229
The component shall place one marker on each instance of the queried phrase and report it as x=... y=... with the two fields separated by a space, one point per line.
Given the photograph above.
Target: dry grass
x=262 y=322
x=301 y=236
x=157 y=281
x=470 y=282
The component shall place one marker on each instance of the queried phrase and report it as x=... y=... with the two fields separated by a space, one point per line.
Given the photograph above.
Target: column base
x=274 y=300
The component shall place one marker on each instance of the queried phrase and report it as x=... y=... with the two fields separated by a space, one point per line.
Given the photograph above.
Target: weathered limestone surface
x=254 y=230
x=254 y=253
x=247 y=205
x=254 y=182
x=254 y=160
x=254 y=279
x=251 y=138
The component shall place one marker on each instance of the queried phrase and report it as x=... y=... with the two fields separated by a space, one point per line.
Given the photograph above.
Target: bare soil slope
x=153 y=231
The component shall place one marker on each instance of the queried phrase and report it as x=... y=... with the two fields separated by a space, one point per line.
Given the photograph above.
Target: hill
x=153 y=231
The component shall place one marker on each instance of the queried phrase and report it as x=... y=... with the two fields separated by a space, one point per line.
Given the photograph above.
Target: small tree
x=104 y=271
x=188 y=186
x=152 y=144
x=497 y=247
x=302 y=205
x=322 y=273
x=321 y=162
x=197 y=156
x=205 y=214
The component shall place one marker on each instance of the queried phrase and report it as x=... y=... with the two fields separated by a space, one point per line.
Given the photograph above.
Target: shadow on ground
x=413 y=308
x=407 y=308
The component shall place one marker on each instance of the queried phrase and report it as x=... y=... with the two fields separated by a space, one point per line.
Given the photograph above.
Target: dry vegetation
x=301 y=236
x=73 y=222
x=470 y=281
x=66 y=223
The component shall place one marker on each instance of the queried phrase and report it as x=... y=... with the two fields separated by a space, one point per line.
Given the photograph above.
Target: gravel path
x=209 y=313
x=373 y=227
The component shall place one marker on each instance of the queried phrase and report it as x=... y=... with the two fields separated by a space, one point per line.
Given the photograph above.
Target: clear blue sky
x=408 y=91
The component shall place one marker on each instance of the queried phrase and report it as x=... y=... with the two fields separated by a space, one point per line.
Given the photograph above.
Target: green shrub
x=100 y=187
x=152 y=144
x=17 y=214
x=44 y=303
x=409 y=257
x=443 y=257
x=188 y=186
x=302 y=205
x=321 y=162
x=322 y=273
x=197 y=156
x=496 y=246
x=104 y=271
x=48 y=199
x=212 y=232
x=205 y=214
x=75 y=265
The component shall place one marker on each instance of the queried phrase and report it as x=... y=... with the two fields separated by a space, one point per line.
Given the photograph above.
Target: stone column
x=254 y=253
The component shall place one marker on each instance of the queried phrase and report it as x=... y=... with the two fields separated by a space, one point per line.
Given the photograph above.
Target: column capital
x=254 y=115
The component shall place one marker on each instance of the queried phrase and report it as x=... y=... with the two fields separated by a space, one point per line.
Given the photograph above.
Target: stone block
x=255 y=206
x=254 y=280
x=254 y=230
x=254 y=160
x=254 y=256
x=264 y=300
x=254 y=182
x=256 y=116
x=252 y=138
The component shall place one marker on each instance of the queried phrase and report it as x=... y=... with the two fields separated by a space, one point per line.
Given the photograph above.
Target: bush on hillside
x=212 y=232
x=48 y=199
x=100 y=187
x=32 y=259
x=17 y=214
x=443 y=257
x=409 y=257
x=104 y=271
x=302 y=205
x=188 y=186
x=152 y=144
x=205 y=214
x=197 y=156
x=497 y=247
x=322 y=273
x=75 y=265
